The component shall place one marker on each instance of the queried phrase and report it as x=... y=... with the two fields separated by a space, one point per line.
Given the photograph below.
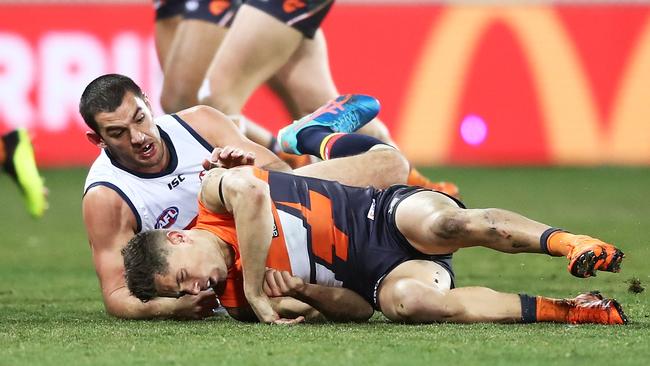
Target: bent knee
x=449 y=224
x=174 y=102
x=394 y=162
x=412 y=302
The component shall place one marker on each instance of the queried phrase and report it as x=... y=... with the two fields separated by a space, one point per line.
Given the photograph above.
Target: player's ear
x=145 y=98
x=95 y=139
x=176 y=237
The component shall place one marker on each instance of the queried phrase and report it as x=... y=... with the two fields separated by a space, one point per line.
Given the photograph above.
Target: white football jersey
x=159 y=200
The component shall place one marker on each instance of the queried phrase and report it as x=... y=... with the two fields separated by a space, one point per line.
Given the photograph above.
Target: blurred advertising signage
x=528 y=84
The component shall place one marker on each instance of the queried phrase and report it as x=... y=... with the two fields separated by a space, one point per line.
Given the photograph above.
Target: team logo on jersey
x=276 y=233
x=218 y=6
x=175 y=182
x=167 y=218
x=289 y=6
x=371 y=212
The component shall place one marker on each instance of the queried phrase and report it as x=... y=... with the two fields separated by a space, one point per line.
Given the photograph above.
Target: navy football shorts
x=304 y=15
x=386 y=247
x=220 y=12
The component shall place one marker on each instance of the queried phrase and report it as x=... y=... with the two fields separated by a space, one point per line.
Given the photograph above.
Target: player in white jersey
x=148 y=172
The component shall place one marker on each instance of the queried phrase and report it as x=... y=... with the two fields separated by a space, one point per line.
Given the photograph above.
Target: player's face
x=194 y=265
x=131 y=136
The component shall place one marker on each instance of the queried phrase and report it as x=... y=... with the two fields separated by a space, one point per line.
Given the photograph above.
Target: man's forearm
x=121 y=304
x=335 y=303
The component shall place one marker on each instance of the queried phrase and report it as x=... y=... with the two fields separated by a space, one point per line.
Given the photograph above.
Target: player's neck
x=226 y=250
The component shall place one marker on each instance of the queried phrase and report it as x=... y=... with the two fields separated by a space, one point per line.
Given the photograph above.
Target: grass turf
x=51 y=310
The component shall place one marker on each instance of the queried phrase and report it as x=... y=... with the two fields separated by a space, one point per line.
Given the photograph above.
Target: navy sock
x=528 y=308
x=309 y=139
x=347 y=144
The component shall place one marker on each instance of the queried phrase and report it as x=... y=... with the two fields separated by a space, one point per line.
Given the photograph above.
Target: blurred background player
x=277 y=42
x=17 y=159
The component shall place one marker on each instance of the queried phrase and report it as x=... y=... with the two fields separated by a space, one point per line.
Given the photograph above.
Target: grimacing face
x=131 y=136
x=195 y=264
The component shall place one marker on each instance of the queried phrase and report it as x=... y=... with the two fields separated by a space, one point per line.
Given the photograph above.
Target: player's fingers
x=237 y=153
x=282 y=284
x=225 y=152
x=250 y=158
x=273 y=285
x=290 y=281
x=215 y=154
x=284 y=321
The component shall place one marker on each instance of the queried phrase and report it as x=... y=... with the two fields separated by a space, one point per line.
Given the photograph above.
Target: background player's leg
x=165 y=31
x=256 y=46
x=186 y=63
x=305 y=83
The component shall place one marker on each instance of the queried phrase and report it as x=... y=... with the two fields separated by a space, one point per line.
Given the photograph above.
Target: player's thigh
x=306 y=77
x=413 y=288
x=424 y=217
x=367 y=169
x=256 y=46
x=194 y=47
x=164 y=34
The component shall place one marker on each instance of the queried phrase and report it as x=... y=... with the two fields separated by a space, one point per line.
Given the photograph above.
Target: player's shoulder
x=103 y=197
x=201 y=114
x=207 y=122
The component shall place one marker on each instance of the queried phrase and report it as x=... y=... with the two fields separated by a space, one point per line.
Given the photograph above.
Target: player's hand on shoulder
x=281 y=283
x=228 y=157
x=196 y=306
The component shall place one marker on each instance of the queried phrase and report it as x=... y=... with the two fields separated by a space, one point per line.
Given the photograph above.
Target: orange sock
x=417 y=179
x=559 y=243
x=552 y=310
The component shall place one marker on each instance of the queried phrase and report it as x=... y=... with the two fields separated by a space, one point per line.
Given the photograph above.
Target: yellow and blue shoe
x=347 y=113
x=21 y=166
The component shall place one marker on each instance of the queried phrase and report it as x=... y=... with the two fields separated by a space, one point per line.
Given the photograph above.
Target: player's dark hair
x=105 y=94
x=144 y=257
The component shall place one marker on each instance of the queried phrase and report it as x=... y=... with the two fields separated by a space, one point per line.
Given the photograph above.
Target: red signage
x=530 y=84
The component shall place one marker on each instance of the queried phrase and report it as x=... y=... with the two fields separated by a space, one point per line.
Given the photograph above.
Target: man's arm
x=220 y=131
x=239 y=192
x=110 y=223
x=334 y=303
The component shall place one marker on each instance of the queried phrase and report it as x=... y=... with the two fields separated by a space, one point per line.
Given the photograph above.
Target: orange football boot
x=591 y=307
x=445 y=187
x=587 y=255
x=415 y=178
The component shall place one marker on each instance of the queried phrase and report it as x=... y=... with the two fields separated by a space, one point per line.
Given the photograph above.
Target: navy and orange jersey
x=324 y=232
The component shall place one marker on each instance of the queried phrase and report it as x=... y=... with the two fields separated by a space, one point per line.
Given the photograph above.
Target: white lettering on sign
x=41 y=81
x=16 y=80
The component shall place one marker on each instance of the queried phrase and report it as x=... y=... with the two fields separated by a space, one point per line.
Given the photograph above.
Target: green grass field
x=51 y=311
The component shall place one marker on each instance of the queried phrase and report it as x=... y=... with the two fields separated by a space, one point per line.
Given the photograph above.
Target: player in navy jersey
x=388 y=248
